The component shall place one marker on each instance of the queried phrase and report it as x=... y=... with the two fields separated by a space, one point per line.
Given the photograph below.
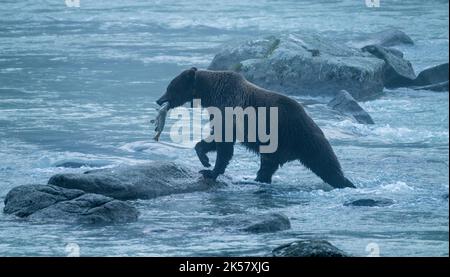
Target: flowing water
x=79 y=85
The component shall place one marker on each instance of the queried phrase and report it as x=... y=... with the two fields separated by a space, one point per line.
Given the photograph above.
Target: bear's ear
x=191 y=74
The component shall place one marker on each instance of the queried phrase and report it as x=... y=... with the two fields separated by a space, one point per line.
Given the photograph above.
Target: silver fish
x=160 y=120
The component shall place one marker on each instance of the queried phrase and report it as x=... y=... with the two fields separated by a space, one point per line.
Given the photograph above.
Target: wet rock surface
x=47 y=203
x=142 y=181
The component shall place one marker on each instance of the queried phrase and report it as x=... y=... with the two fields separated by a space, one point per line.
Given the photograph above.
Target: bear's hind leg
x=329 y=170
x=267 y=168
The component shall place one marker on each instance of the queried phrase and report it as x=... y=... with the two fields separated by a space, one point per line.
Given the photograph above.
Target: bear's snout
x=162 y=100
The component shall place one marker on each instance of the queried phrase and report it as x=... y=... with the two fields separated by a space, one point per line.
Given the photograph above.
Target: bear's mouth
x=162 y=100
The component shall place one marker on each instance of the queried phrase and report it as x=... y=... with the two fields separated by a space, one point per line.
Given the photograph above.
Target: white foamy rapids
x=118 y=54
x=160 y=148
x=179 y=60
x=385 y=134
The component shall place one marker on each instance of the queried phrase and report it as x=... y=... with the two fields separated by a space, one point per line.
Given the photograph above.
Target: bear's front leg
x=224 y=154
x=202 y=148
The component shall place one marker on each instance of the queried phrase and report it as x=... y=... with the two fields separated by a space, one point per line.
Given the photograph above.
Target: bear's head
x=180 y=90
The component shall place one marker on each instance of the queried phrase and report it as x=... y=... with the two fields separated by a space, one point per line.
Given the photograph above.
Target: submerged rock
x=71 y=164
x=304 y=64
x=268 y=223
x=389 y=37
x=47 y=203
x=308 y=248
x=346 y=104
x=142 y=181
x=398 y=72
x=75 y=164
x=443 y=86
x=256 y=223
x=369 y=202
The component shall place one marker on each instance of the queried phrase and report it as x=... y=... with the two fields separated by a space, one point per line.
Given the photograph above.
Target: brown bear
x=299 y=138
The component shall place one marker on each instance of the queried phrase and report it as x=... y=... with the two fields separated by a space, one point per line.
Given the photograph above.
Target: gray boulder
x=436 y=75
x=388 y=37
x=142 y=181
x=370 y=202
x=304 y=64
x=394 y=52
x=432 y=75
x=397 y=72
x=47 y=203
x=346 y=104
x=308 y=248
x=268 y=223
